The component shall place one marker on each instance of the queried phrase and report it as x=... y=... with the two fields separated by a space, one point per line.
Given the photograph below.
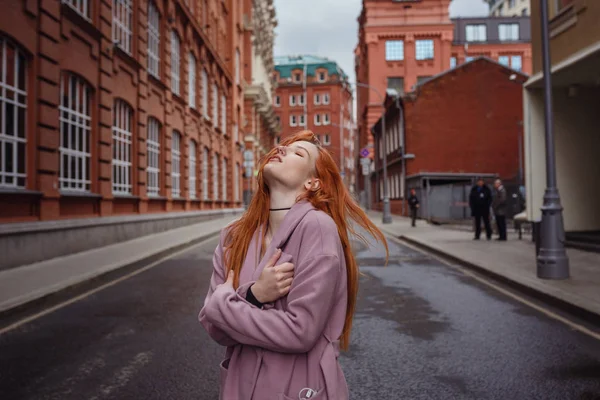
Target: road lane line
x=500 y=289
x=106 y=285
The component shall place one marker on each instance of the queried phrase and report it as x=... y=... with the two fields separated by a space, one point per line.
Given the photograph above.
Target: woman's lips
x=275 y=158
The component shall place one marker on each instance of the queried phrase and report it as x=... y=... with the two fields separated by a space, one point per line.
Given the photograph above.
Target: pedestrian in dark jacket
x=499 y=207
x=413 y=203
x=480 y=200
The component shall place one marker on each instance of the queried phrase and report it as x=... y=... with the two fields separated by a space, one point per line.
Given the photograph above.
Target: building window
x=302 y=120
x=236 y=182
x=192 y=170
x=292 y=100
x=452 y=62
x=322 y=76
x=75 y=133
x=205 y=94
x=424 y=49
x=511 y=3
x=476 y=33
x=326 y=119
x=394 y=50
x=326 y=140
x=524 y=12
x=176 y=165
x=175 y=63
x=326 y=98
x=205 y=174
x=192 y=81
x=224 y=114
x=516 y=63
x=396 y=83
x=215 y=176
x=153 y=151
x=277 y=101
x=224 y=179
x=236 y=133
x=81 y=6
x=469 y=58
x=301 y=100
x=121 y=24
x=153 y=40
x=237 y=67
x=215 y=104
x=293 y=121
x=317 y=99
x=297 y=77
x=317 y=119
x=504 y=60
x=508 y=32
x=122 y=138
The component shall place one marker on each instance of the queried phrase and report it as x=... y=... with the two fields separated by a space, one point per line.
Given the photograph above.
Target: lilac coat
x=290 y=345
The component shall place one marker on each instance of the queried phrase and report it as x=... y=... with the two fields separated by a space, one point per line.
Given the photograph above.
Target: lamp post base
x=387 y=212
x=552 y=260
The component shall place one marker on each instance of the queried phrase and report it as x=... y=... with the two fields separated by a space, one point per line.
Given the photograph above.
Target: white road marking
x=124 y=375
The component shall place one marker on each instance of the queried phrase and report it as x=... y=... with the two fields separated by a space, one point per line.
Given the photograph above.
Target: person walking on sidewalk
x=480 y=200
x=284 y=284
x=413 y=203
x=499 y=207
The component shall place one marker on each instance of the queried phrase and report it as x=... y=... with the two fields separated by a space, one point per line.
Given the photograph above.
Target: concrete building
x=118 y=109
x=314 y=93
x=509 y=8
x=459 y=125
x=260 y=125
x=401 y=44
x=575 y=59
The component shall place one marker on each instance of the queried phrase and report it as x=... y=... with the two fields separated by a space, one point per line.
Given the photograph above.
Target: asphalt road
x=422 y=330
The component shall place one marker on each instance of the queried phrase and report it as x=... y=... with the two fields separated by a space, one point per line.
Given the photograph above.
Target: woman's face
x=292 y=166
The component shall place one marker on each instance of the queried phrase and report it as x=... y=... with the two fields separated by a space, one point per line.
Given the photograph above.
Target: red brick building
x=120 y=107
x=464 y=123
x=313 y=93
x=403 y=43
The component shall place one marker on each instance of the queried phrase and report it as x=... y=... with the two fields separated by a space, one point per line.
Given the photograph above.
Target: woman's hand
x=274 y=281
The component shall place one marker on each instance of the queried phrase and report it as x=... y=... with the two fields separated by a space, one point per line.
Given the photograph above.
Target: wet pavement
x=422 y=330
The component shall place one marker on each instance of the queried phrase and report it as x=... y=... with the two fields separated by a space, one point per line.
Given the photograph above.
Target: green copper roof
x=284 y=65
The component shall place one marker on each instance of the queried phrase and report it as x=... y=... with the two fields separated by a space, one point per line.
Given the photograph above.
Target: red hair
x=332 y=197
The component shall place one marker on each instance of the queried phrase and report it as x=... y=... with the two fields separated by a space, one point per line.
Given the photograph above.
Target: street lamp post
x=552 y=261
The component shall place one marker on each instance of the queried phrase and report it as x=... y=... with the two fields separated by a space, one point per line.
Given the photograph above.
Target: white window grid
x=326 y=98
x=122 y=23
x=476 y=33
x=302 y=120
x=236 y=182
x=224 y=178
x=75 y=133
x=326 y=140
x=293 y=121
x=215 y=104
x=224 y=114
x=317 y=119
x=153 y=154
x=153 y=40
x=504 y=60
x=81 y=6
x=237 y=67
x=192 y=80
x=317 y=99
x=13 y=110
x=516 y=63
x=215 y=176
x=394 y=50
x=292 y=100
x=452 y=62
x=205 y=93
x=205 y=174
x=469 y=58
x=508 y=32
x=424 y=49
x=277 y=101
x=192 y=170
x=301 y=100
x=176 y=165
x=122 y=139
x=175 y=73
x=326 y=119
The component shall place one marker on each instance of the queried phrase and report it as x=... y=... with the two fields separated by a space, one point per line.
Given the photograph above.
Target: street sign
x=364 y=152
x=365 y=170
x=365 y=161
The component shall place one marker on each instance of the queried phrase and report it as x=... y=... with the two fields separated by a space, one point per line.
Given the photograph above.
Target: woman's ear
x=312 y=184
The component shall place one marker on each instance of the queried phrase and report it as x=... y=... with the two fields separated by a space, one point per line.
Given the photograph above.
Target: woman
x=286 y=306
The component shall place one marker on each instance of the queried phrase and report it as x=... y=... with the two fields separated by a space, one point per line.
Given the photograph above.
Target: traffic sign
x=364 y=152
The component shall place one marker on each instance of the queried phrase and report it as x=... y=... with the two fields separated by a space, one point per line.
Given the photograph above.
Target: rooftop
x=286 y=64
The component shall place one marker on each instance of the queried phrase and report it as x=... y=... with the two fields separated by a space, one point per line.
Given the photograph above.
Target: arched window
x=205 y=174
x=122 y=24
x=215 y=176
x=153 y=154
x=176 y=165
x=13 y=103
x=192 y=80
x=224 y=178
x=75 y=133
x=175 y=73
x=153 y=40
x=192 y=170
x=122 y=138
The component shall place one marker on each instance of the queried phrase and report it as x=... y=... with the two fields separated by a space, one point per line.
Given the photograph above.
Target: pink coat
x=287 y=349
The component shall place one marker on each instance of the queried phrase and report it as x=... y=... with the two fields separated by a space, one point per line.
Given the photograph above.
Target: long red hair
x=332 y=197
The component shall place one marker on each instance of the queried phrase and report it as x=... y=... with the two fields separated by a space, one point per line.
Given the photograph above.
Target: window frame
x=175 y=63
x=153 y=155
x=154 y=52
x=83 y=7
x=476 y=33
x=192 y=164
x=176 y=164
x=122 y=135
x=421 y=52
x=191 y=80
x=394 y=50
x=326 y=99
x=122 y=25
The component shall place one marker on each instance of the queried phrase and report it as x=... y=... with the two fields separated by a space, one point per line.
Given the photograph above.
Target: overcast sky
x=328 y=28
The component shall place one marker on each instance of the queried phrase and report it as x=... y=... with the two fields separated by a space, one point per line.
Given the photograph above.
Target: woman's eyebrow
x=300 y=147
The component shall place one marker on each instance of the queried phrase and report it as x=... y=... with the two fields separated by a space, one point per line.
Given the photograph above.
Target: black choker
x=279 y=209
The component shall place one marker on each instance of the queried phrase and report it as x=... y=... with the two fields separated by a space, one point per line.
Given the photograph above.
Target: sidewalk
x=28 y=283
x=512 y=261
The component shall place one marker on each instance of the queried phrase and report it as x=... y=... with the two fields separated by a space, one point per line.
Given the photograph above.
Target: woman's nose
x=281 y=150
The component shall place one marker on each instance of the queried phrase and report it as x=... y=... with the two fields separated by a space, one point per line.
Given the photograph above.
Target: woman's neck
x=279 y=200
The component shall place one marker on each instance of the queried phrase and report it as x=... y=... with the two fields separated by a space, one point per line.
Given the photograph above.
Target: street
x=423 y=330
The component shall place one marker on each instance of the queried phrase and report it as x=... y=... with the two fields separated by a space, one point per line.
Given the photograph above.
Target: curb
x=553 y=301
x=30 y=306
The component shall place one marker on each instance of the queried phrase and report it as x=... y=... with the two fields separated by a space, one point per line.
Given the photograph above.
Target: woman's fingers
x=274 y=258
